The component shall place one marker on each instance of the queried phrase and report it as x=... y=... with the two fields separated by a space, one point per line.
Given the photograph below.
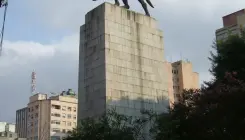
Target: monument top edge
x=108 y=3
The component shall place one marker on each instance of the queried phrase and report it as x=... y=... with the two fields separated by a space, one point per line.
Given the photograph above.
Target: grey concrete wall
x=92 y=65
x=121 y=63
x=134 y=62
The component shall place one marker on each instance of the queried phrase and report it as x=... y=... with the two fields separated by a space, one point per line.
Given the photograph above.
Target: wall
x=134 y=62
x=65 y=122
x=8 y=136
x=241 y=20
x=170 y=84
x=231 y=19
x=2 y=126
x=44 y=119
x=232 y=24
x=183 y=78
x=10 y=127
x=122 y=63
x=92 y=66
x=190 y=79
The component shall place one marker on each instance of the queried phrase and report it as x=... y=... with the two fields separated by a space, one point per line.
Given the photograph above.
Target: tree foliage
x=217 y=110
x=110 y=126
x=210 y=114
x=228 y=56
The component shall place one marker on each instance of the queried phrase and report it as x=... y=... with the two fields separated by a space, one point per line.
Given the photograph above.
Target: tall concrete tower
x=121 y=63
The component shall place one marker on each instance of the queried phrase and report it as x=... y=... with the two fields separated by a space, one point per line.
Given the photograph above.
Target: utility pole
x=3 y=3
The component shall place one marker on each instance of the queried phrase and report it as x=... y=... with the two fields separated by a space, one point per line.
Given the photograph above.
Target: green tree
x=228 y=56
x=111 y=126
x=209 y=114
x=217 y=110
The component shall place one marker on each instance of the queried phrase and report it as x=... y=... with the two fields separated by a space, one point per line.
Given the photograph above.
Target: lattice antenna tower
x=33 y=82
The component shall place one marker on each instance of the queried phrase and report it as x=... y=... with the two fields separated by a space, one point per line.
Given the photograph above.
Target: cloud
x=25 y=53
x=56 y=65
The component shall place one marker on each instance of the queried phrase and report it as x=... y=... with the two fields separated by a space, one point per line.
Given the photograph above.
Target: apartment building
x=51 y=118
x=10 y=127
x=2 y=126
x=21 y=122
x=7 y=127
x=232 y=24
x=183 y=77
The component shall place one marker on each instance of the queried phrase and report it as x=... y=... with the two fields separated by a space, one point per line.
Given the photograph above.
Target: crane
x=3 y=3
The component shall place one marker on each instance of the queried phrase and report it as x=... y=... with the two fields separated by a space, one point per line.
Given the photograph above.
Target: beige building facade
x=121 y=63
x=182 y=77
x=50 y=118
x=232 y=24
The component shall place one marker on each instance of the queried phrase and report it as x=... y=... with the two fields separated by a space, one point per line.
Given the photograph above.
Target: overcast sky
x=43 y=35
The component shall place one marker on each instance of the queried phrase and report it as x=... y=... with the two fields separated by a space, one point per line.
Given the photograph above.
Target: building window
x=69 y=108
x=63 y=115
x=36 y=122
x=64 y=108
x=175 y=71
x=55 y=106
x=55 y=122
x=55 y=138
x=74 y=109
x=36 y=115
x=74 y=117
x=63 y=131
x=36 y=130
x=68 y=116
x=36 y=106
x=178 y=96
x=55 y=114
x=64 y=122
x=176 y=87
x=74 y=123
x=56 y=130
x=68 y=123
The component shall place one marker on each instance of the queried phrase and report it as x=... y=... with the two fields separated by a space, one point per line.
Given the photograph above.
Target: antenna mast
x=33 y=82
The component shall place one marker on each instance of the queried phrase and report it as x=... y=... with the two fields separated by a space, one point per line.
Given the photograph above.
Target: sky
x=43 y=35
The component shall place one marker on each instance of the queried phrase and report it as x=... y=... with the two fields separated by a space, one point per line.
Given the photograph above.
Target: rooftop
x=234 y=13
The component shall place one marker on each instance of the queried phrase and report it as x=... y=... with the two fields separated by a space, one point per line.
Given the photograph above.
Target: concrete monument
x=121 y=63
